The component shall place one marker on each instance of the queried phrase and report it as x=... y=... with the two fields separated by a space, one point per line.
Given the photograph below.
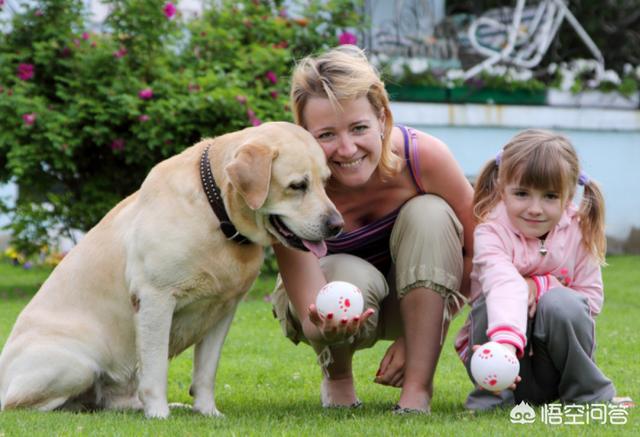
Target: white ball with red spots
x=494 y=367
x=340 y=298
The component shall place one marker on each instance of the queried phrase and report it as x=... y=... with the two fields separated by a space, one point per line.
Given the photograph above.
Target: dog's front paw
x=158 y=410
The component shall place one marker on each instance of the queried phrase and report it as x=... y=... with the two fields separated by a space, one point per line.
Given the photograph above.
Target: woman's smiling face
x=351 y=139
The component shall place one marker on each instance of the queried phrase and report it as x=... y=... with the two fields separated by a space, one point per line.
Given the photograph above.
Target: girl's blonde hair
x=344 y=73
x=546 y=161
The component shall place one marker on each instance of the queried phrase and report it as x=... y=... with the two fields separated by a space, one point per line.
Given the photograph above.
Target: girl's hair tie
x=498 y=158
x=583 y=179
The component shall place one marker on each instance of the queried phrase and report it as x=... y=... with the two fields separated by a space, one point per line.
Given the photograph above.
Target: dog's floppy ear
x=250 y=173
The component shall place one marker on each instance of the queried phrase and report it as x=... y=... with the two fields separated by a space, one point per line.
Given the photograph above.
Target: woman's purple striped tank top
x=371 y=242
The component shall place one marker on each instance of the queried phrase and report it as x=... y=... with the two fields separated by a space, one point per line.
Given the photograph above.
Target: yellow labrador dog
x=157 y=275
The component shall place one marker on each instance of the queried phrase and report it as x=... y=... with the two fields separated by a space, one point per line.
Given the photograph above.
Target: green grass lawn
x=266 y=386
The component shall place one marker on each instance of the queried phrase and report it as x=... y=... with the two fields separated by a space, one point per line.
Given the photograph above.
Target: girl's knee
x=564 y=305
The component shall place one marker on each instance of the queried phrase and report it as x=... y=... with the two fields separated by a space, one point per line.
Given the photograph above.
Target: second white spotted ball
x=340 y=298
x=494 y=367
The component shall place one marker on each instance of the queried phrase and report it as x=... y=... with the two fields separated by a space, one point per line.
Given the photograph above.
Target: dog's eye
x=299 y=186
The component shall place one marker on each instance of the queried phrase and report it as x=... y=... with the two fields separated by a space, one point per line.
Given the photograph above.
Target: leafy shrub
x=85 y=113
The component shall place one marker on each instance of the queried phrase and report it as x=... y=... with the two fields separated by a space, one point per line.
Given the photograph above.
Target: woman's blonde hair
x=546 y=161
x=341 y=74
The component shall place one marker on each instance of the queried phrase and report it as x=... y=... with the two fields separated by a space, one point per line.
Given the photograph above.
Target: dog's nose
x=334 y=224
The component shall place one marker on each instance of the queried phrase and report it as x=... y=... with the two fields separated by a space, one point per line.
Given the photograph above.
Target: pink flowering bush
x=146 y=94
x=169 y=10
x=85 y=113
x=29 y=119
x=25 y=71
x=120 y=53
x=347 y=38
x=271 y=77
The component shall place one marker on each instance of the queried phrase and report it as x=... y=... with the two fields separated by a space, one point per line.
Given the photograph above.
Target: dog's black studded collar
x=215 y=200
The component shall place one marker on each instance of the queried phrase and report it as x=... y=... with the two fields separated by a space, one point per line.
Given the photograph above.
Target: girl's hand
x=512 y=349
x=391 y=370
x=333 y=330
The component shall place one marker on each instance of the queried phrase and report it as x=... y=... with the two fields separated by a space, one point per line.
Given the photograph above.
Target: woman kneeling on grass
x=405 y=204
x=536 y=284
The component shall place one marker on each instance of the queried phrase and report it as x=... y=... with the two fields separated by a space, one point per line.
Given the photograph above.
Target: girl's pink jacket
x=503 y=258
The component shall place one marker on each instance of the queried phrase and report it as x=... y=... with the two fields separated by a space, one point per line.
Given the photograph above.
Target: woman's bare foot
x=414 y=399
x=338 y=393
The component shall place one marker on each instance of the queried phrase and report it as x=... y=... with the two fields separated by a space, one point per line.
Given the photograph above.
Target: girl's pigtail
x=485 y=195
x=592 y=220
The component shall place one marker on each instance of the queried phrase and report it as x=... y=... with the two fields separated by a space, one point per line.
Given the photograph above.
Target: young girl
x=536 y=284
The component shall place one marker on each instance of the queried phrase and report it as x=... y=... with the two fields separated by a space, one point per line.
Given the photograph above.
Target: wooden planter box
x=416 y=93
x=498 y=97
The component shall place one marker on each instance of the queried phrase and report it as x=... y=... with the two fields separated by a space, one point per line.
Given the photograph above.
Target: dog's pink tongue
x=318 y=248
